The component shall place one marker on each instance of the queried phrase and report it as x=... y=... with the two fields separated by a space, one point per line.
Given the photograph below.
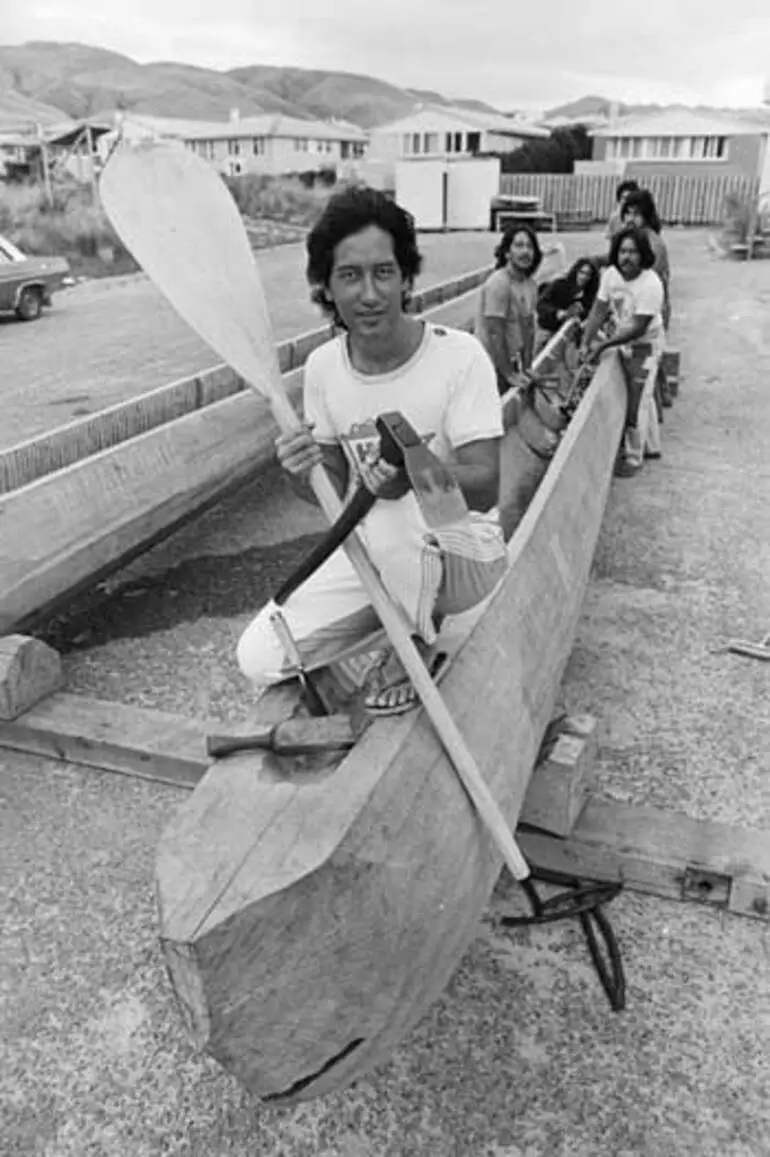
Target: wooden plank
x=110 y=736
x=664 y=854
x=67 y=529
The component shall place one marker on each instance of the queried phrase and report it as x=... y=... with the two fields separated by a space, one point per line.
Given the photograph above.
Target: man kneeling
x=362 y=262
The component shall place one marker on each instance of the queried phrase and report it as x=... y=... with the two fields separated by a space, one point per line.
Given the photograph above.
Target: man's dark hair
x=346 y=213
x=625 y=187
x=504 y=248
x=641 y=242
x=644 y=202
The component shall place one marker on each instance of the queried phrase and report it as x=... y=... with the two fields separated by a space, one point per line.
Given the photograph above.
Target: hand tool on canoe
x=291 y=737
x=173 y=211
x=440 y=498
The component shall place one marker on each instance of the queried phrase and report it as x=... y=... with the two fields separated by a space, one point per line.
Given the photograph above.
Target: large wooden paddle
x=173 y=211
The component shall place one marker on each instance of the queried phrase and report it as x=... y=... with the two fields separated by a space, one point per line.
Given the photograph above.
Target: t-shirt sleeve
x=495 y=297
x=475 y=410
x=649 y=296
x=314 y=403
x=605 y=284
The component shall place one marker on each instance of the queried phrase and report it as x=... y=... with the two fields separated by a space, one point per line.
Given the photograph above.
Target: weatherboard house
x=272 y=144
x=687 y=142
x=447 y=131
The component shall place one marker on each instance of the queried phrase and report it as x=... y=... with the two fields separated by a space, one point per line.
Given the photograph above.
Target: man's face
x=521 y=254
x=366 y=284
x=629 y=258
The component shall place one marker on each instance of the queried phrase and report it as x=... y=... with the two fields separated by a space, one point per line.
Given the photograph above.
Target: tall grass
x=73 y=226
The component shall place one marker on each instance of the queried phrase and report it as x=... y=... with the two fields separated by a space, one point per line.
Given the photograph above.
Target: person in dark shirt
x=570 y=296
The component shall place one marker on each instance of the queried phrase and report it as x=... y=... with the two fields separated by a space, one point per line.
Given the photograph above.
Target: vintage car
x=27 y=283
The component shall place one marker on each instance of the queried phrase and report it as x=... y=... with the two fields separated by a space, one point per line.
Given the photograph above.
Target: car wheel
x=30 y=305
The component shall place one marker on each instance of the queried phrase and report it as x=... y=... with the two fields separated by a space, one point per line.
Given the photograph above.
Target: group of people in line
x=362 y=261
x=620 y=299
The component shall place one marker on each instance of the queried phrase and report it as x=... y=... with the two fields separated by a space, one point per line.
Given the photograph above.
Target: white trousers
x=645 y=436
x=330 y=617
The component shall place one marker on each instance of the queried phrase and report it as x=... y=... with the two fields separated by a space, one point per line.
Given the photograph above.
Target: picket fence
x=679 y=200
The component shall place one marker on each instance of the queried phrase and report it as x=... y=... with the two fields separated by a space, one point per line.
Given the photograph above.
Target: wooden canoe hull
x=308 y=921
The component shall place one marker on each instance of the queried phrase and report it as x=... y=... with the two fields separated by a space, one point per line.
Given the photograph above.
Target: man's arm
x=498 y=350
x=596 y=319
x=634 y=329
x=476 y=470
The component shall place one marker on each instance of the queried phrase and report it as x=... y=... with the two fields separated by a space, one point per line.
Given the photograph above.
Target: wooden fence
x=680 y=200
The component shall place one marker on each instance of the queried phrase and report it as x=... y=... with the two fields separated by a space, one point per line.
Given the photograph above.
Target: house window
x=430 y=143
x=415 y=143
x=233 y=148
x=258 y=146
x=358 y=148
x=474 y=143
x=458 y=142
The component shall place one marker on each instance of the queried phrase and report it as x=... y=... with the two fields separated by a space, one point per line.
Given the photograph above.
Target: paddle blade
x=174 y=213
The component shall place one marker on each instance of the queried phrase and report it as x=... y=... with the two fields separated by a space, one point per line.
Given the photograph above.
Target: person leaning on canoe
x=362 y=262
x=631 y=297
x=506 y=312
x=639 y=210
x=571 y=296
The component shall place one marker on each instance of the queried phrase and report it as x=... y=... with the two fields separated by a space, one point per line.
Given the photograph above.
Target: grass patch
x=278 y=210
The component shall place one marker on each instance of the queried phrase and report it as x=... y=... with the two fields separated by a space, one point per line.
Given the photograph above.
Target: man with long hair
x=631 y=296
x=571 y=296
x=639 y=210
x=362 y=262
x=506 y=313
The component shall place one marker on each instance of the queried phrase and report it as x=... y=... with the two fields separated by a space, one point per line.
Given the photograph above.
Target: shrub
x=294 y=199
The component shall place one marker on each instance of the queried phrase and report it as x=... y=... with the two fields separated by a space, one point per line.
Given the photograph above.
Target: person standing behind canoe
x=639 y=210
x=506 y=313
x=362 y=262
x=616 y=222
x=631 y=294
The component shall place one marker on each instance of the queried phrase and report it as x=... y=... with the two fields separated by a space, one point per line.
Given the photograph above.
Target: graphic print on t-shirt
x=362 y=444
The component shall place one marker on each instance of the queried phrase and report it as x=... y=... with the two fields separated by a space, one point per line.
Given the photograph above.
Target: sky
x=511 y=53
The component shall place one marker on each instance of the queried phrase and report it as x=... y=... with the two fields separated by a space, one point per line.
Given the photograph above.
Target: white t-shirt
x=642 y=295
x=447 y=391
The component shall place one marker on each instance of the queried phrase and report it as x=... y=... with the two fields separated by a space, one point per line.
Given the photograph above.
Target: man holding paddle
x=362 y=262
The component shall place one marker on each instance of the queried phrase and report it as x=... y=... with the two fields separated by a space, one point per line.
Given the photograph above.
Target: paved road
x=108 y=340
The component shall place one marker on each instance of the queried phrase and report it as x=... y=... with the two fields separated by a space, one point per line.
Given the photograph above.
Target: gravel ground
x=521 y=1057
x=106 y=341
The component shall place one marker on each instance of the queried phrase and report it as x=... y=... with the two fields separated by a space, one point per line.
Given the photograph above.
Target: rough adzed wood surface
x=308 y=922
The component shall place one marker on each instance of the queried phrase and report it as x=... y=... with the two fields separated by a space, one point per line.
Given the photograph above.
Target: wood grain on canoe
x=308 y=926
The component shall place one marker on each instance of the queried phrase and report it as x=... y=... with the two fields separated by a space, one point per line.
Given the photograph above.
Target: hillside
x=80 y=80
x=17 y=111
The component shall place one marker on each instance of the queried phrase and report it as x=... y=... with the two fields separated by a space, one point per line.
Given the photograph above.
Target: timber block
x=559 y=785
x=29 y=671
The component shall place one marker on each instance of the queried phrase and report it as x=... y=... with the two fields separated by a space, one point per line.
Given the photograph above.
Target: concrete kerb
x=68 y=444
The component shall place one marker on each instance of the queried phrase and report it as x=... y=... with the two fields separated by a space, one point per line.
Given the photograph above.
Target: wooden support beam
x=29 y=672
x=664 y=854
x=651 y=851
